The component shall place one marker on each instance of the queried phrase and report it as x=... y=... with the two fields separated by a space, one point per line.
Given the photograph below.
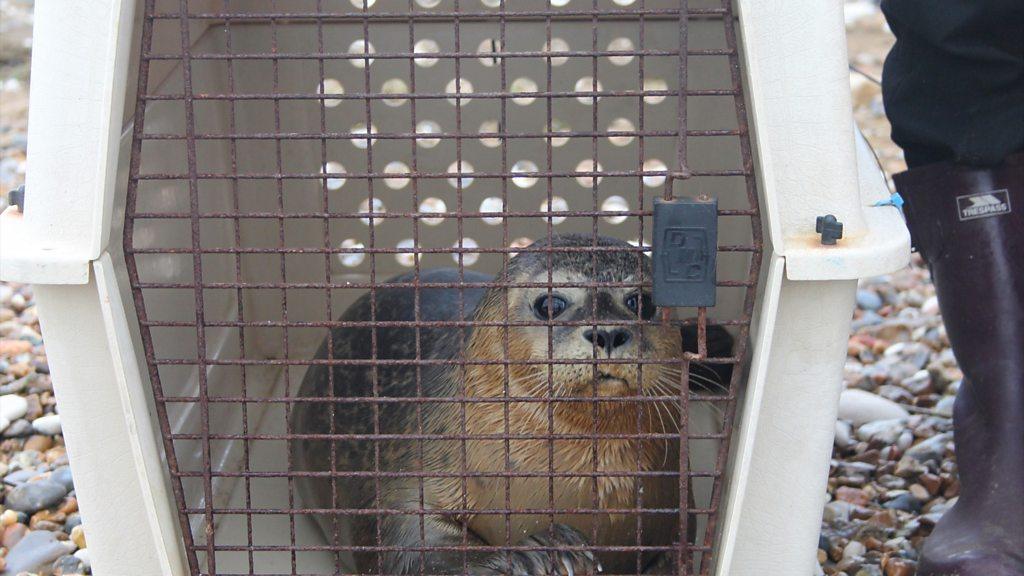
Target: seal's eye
x=641 y=304
x=549 y=306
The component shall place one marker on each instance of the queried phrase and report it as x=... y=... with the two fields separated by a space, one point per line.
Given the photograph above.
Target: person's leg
x=954 y=91
x=968 y=224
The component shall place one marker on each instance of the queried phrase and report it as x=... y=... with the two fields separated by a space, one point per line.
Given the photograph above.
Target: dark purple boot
x=968 y=224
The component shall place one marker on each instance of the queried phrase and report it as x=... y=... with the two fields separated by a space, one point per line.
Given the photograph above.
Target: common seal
x=432 y=474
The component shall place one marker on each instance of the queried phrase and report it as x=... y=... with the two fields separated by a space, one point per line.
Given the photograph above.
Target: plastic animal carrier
x=212 y=183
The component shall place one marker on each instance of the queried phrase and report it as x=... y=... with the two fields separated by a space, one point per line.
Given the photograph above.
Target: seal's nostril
x=599 y=337
x=621 y=337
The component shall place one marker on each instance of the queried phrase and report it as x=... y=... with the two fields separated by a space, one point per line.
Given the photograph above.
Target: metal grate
x=290 y=157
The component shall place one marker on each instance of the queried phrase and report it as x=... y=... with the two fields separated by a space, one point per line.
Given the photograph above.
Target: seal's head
x=578 y=302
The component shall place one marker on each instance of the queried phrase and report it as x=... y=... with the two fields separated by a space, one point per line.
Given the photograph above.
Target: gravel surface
x=892 y=475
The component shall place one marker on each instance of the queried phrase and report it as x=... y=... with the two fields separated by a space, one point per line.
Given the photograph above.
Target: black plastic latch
x=16 y=197
x=685 y=244
x=829 y=228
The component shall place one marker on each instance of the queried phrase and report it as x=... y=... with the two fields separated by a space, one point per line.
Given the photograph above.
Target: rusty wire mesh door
x=289 y=157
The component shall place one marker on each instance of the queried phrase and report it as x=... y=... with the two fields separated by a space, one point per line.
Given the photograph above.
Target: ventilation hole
x=360 y=3
x=555 y=46
x=588 y=165
x=491 y=3
x=394 y=86
x=334 y=168
x=522 y=168
x=331 y=86
x=654 y=180
x=467 y=181
x=428 y=127
x=406 y=259
x=519 y=243
x=463 y=87
x=378 y=208
x=558 y=204
x=621 y=125
x=468 y=258
x=396 y=167
x=351 y=259
x=655 y=85
x=559 y=3
x=362 y=143
x=520 y=85
x=489 y=127
x=487 y=48
x=361 y=47
x=492 y=204
x=615 y=204
x=587 y=84
x=428 y=3
x=432 y=206
x=426 y=46
x=621 y=45
x=559 y=126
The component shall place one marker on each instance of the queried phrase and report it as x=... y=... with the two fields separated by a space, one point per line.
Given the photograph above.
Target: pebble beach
x=892 y=476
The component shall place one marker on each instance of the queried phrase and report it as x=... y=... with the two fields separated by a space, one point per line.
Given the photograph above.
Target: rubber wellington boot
x=968 y=224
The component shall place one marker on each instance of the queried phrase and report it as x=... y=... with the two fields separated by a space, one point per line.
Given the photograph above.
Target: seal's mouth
x=612 y=385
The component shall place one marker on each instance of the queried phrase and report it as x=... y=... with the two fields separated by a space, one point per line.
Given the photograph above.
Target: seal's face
x=577 y=303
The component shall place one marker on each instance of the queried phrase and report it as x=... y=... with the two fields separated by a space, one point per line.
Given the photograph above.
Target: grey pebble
x=19 y=477
x=35 y=496
x=67 y=566
x=930 y=449
x=18 y=428
x=62 y=476
x=905 y=502
x=73 y=519
x=868 y=300
x=36 y=551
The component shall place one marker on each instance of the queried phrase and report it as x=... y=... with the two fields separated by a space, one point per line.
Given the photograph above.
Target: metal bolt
x=829 y=228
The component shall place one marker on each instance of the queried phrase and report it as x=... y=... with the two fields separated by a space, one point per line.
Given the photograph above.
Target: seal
x=490 y=435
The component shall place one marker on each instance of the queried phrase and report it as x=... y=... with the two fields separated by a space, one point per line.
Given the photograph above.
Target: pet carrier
x=213 y=183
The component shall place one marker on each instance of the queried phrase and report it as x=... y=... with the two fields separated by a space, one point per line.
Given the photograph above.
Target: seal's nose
x=608 y=340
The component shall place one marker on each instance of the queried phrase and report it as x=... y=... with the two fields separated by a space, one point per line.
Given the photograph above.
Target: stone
x=852 y=495
x=853 y=550
x=11 y=348
x=919 y=491
x=860 y=407
x=18 y=428
x=74 y=519
x=844 y=434
x=931 y=483
x=83 y=555
x=944 y=406
x=869 y=570
x=13 y=406
x=39 y=443
x=20 y=477
x=868 y=300
x=68 y=566
x=931 y=449
x=35 y=496
x=930 y=307
x=900 y=567
x=13 y=534
x=78 y=536
x=62 y=475
x=919 y=383
x=49 y=424
x=905 y=502
x=35 y=552
x=8 y=517
x=837 y=511
x=882 y=431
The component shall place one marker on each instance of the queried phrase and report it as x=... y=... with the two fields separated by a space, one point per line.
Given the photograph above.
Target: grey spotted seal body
x=490 y=471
